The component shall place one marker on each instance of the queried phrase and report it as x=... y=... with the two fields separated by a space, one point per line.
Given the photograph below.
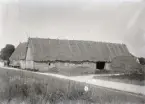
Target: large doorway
x=100 y=65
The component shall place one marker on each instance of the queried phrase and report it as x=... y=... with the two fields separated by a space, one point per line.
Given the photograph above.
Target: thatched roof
x=20 y=52
x=75 y=50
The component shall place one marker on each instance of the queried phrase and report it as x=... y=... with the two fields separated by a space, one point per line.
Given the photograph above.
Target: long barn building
x=40 y=53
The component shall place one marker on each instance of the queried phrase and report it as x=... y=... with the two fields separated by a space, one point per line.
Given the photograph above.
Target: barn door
x=100 y=65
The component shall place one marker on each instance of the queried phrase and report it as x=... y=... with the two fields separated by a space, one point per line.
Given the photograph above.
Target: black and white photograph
x=72 y=51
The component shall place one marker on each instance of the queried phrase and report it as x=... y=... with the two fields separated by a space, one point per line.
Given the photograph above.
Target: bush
x=142 y=60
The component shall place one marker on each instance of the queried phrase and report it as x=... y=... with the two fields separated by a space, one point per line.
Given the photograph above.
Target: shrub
x=142 y=60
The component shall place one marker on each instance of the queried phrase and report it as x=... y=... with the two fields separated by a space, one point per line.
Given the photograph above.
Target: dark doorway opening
x=49 y=64
x=100 y=65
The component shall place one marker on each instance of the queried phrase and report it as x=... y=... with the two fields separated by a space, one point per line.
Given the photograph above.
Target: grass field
x=137 y=79
x=38 y=89
x=78 y=71
x=75 y=71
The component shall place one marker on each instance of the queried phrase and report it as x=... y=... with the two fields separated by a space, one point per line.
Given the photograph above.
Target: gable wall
x=23 y=64
x=29 y=58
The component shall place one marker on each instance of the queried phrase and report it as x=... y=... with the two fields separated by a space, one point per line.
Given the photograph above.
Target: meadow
x=24 y=87
x=134 y=78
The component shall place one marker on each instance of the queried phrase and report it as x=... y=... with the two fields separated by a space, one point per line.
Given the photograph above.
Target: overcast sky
x=119 y=21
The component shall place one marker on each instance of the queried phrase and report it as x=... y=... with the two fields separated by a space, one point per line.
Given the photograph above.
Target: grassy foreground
x=35 y=91
x=134 y=78
x=17 y=87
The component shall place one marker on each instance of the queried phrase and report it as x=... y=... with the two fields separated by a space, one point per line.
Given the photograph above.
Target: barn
x=44 y=53
x=18 y=57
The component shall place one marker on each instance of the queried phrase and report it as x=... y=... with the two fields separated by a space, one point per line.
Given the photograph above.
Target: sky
x=116 y=21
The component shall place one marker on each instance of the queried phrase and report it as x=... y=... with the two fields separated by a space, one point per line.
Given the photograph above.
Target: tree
x=7 y=51
x=142 y=60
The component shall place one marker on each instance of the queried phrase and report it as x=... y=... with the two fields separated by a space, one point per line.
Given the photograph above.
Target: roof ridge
x=78 y=40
